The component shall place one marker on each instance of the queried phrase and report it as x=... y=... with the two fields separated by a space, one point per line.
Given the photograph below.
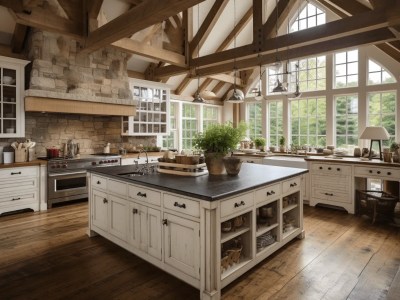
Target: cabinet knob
x=320 y=168
x=165 y=222
x=272 y=193
x=134 y=211
x=370 y=171
x=98 y=182
x=183 y=205
x=329 y=168
x=338 y=169
x=105 y=200
x=240 y=204
x=15 y=173
x=293 y=184
x=389 y=173
x=269 y=194
x=140 y=194
x=379 y=172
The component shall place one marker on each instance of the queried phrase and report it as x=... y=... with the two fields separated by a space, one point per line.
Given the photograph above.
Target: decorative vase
x=232 y=165
x=282 y=148
x=215 y=163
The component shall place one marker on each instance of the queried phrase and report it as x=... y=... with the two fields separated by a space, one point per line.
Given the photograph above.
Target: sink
x=132 y=174
x=286 y=161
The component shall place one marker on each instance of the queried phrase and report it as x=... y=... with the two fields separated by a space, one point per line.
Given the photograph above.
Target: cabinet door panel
x=135 y=225
x=154 y=233
x=182 y=245
x=118 y=209
x=99 y=209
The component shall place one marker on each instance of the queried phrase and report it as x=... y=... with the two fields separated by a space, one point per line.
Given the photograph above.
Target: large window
x=311 y=74
x=210 y=116
x=346 y=69
x=171 y=141
x=382 y=112
x=189 y=124
x=308 y=121
x=346 y=121
x=309 y=16
x=275 y=124
x=254 y=119
x=378 y=75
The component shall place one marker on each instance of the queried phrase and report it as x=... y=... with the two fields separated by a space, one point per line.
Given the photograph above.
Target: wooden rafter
x=15 y=5
x=93 y=8
x=142 y=16
x=183 y=85
x=218 y=87
x=208 y=24
x=393 y=52
x=72 y=8
x=277 y=17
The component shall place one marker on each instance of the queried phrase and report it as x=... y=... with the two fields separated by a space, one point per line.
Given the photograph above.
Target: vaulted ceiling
x=180 y=41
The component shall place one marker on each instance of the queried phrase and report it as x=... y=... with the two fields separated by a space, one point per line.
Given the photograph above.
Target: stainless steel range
x=66 y=177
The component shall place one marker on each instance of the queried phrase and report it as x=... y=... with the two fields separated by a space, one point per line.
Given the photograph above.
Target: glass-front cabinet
x=152 y=110
x=12 y=119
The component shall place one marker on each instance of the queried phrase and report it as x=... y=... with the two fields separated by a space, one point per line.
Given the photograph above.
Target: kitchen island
x=206 y=230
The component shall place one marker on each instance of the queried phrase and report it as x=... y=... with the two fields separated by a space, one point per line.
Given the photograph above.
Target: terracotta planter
x=215 y=164
x=232 y=165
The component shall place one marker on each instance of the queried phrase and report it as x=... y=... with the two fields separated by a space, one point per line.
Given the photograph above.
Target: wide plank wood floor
x=47 y=255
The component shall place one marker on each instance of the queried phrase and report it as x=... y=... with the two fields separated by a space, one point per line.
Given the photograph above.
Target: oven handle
x=66 y=174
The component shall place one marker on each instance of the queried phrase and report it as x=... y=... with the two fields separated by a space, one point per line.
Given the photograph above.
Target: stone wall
x=91 y=132
x=58 y=66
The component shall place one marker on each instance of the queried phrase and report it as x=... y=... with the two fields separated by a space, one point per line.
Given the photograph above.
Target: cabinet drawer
x=19 y=198
x=20 y=184
x=145 y=195
x=182 y=205
x=378 y=172
x=268 y=193
x=236 y=204
x=99 y=182
x=334 y=196
x=14 y=173
x=334 y=169
x=339 y=183
x=116 y=187
x=291 y=185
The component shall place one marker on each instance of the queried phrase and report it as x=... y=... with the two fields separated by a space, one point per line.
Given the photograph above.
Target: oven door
x=66 y=186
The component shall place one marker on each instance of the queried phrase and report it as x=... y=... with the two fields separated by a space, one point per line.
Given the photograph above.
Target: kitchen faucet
x=146 y=169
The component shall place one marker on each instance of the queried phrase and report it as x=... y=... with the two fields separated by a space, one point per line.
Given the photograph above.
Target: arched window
x=378 y=75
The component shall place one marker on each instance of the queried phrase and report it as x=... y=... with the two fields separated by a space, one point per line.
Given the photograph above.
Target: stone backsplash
x=91 y=132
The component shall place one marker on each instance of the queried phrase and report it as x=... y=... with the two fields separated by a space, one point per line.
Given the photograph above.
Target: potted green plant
x=282 y=142
x=260 y=143
x=217 y=141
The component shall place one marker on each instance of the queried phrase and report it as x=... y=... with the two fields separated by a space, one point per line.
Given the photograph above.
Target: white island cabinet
x=200 y=230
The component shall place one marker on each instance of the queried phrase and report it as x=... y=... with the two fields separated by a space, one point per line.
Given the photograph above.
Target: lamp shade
x=279 y=88
x=235 y=96
x=375 y=133
x=197 y=98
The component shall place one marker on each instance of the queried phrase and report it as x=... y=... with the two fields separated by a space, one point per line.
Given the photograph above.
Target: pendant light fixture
x=297 y=93
x=197 y=97
x=259 y=95
x=237 y=95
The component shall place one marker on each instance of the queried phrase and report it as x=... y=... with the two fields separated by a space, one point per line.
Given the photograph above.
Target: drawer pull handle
x=329 y=168
x=338 y=169
x=98 y=182
x=140 y=194
x=165 y=222
x=293 y=184
x=329 y=194
x=15 y=173
x=270 y=193
x=389 y=173
x=134 y=211
x=13 y=199
x=105 y=200
x=240 y=204
x=250 y=161
x=379 y=172
x=183 y=205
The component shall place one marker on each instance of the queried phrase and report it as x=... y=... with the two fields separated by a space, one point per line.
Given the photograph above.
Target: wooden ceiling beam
x=139 y=48
x=329 y=45
x=218 y=87
x=134 y=74
x=377 y=4
x=6 y=50
x=15 y=5
x=226 y=78
x=42 y=19
x=183 y=85
x=72 y=8
x=258 y=23
x=209 y=22
x=138 y=18
x=389 y=50
x=93 y=8
x=348 y=7
x=277 y=17
x=19 y=36
x=361 y=22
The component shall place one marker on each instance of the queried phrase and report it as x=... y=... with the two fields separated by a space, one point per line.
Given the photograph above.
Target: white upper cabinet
x=12 y=82
x=152 y=110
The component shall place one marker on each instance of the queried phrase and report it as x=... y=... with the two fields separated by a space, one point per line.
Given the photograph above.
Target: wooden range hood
x=57 y=105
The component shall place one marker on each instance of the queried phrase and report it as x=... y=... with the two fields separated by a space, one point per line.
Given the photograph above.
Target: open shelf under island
x=206 y=230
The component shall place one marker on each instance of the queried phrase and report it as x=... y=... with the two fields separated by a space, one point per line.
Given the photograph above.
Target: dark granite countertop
x=206 y=187
x=352 y=160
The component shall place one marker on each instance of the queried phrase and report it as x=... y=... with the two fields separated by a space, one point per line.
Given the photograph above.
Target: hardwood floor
x=48 y=255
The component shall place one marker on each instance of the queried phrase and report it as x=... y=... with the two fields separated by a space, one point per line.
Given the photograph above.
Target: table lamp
x=375 y=134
